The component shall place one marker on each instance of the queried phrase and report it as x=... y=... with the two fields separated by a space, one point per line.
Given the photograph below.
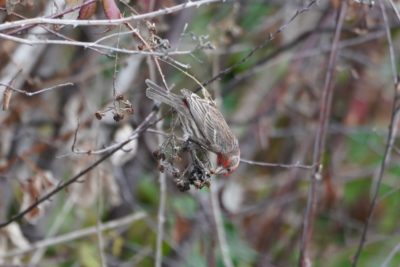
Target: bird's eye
x=228 y=169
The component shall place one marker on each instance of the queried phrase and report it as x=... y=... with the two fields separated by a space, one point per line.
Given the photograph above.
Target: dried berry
x=118 y=116
x=182 y=185
x=156 y=154
x=98 y=115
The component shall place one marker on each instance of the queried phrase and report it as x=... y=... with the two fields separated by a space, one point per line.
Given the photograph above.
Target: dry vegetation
x=310 y=88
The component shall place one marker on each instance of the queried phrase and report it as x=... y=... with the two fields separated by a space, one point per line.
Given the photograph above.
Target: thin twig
x=262 y=45
x=57 y=33
x=223 y=244
x=162 y=178
x=135 y=134
x=33 y=42
x=127 y=220
x=60 y=219
x=104 y=22
x=99 y=232
x=36 y=92
x=57 y=15
x=390 y=137
x=277 y=165
x=319 y=145
x=392 y=253
x=141 y=128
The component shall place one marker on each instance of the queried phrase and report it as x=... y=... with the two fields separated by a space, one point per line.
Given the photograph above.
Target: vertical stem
x=223 y=244
x=319 y=145
x=393 y=127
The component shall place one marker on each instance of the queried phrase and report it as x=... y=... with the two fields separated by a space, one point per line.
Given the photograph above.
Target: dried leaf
x=33 y=189
x=111 y=9
x=88 y=10
x=181 y=230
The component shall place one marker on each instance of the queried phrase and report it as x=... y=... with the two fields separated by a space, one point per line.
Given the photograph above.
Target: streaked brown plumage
x=203 y=123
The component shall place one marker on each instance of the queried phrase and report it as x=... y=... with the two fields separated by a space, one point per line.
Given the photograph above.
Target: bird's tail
x=159 y=94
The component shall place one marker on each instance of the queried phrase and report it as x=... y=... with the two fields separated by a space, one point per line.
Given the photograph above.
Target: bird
x=202 y=123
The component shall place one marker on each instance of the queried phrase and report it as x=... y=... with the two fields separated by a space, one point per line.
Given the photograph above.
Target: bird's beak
x=220 y=170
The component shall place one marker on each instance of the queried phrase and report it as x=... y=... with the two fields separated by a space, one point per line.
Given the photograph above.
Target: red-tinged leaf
x=88 y=10
x=181 y=230
x=111 y=9
x=358 y=111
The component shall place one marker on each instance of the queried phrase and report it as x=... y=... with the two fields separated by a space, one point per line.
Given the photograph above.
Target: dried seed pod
x=118 y=116
x=156 y=154
x=182 y=185
x=176 y=173
x=99 y=115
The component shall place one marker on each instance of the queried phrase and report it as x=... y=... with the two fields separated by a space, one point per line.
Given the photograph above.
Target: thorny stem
x=319 y=145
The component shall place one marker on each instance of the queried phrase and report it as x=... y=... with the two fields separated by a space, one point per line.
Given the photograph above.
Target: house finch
x=203 y=124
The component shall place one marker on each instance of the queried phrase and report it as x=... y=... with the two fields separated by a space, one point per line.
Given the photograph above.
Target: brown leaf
x=88 y=10
x=181 y=229
x=111 y=9
x=33 y=189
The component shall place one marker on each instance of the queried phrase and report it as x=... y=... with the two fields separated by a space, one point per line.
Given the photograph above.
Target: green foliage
x=88 y=255
x=184 y=205
x=147 y=191
x=353 y=190
x=240 y=251
x=361 y=148
x=254 y=15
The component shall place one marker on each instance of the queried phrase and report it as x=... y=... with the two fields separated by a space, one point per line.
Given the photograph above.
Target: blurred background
x=90 y=95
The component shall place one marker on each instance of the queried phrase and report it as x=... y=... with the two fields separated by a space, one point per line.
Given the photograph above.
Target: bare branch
x=104 y=22
x=36 y=92
x=77 y=234
x=220 y=226
x=319 y=145
x=142 y=127
x=277 y=165
x=95 y=44
x=262 y=45
x=393 y=127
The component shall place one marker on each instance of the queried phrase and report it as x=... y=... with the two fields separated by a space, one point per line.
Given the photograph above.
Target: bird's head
x=227 y=163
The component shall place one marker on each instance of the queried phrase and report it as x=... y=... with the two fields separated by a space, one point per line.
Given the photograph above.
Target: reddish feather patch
x=223 y=161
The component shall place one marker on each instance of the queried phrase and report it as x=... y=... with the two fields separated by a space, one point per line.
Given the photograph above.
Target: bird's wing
x=218 y=136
